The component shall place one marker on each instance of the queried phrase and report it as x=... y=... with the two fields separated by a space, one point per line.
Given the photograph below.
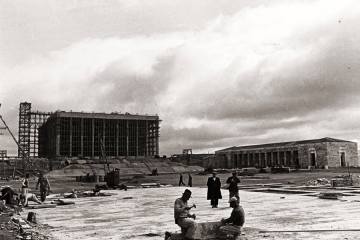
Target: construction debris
x=341 y=181
x=14 y=226
x=330 y=195
x=317 y=182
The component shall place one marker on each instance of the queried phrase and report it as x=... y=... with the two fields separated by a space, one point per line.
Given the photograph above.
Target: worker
x=181 y=180
x=189 y=180
x=233 y=186
x=8 y=194
x=182 y=216
x=25 y=184
x=214 y=190
x=233 y=224
x=44 y=186
x=25 y=198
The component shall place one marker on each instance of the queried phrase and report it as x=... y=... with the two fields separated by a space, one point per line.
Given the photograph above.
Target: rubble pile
x=317 y=182
x=13 y=226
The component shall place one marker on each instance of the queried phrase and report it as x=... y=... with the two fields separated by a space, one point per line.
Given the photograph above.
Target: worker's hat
x=187 y=192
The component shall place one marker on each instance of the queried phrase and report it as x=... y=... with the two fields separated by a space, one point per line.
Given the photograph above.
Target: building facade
x=78 y=134
x=316 y=153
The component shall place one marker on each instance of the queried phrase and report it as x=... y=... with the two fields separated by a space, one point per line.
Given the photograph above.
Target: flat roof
x=283 y=144
x=121 y=116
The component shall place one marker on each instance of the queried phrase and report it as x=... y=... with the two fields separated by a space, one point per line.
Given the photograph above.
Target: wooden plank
x=41 y=206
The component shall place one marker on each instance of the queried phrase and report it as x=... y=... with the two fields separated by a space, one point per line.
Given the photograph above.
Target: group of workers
x=230 y=226
x=183 y=218
x=11 y=197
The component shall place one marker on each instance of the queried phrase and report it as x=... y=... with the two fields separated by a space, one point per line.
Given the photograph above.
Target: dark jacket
x=233 y=183
x=237 y=216
x=214 y=191
x=7 y=194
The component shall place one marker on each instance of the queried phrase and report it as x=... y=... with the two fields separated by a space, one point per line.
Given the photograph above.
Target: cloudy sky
x=218 y=72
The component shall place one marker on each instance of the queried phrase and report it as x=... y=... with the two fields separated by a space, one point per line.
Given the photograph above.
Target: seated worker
x=7 y=194
x=25 y=198
x=233 y=224
x=71 y=195
x=182 y=216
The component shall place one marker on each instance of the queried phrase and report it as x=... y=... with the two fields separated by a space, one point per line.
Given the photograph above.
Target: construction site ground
x=271 y=202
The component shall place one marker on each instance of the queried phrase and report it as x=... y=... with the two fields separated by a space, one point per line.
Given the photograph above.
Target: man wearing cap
x=182 y=216
x=233 y=224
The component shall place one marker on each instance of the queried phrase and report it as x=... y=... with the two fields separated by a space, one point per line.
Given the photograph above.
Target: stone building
x=316 y=153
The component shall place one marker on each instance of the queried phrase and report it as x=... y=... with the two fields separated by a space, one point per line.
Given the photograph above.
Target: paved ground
x=148 y=213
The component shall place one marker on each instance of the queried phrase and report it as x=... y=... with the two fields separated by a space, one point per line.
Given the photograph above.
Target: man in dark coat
x=214 y=192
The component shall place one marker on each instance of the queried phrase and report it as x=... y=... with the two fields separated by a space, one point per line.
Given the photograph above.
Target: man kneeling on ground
x=233 y=224
x=25 y=198
x=183 y=218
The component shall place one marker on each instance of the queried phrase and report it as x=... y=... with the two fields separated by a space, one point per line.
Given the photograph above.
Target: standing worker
x=25 y=185
x=214 y=191
x=190 y=180
x=181 y=180
x=44 y=186
x=233 y=186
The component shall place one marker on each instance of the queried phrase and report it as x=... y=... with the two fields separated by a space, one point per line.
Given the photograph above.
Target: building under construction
x=78 y=134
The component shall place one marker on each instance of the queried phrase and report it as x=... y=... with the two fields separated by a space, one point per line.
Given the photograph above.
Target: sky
x=219 y=73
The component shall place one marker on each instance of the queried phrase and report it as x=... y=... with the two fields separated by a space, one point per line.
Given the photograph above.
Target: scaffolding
x=72 y=134
x=29 y=124
x=24 y=130
x=75 y=134
x=37 y=119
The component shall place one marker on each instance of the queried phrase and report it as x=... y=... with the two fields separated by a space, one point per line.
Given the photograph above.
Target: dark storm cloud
x=131 y=88
x=325 y=78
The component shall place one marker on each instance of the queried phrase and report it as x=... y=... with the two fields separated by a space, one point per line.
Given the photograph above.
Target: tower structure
x=29 y=124
x=24 y=130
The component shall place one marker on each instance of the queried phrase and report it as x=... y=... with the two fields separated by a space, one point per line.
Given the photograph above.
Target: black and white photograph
x=179 y=119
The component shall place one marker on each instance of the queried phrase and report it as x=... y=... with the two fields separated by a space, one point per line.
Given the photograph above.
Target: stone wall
x=320 y=151
x=348 y=148
x=324 y=153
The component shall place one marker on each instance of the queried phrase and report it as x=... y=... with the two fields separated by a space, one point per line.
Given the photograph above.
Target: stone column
x=70 y=137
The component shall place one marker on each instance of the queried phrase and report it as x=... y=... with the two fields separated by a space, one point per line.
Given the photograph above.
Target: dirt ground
x=89 y=213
